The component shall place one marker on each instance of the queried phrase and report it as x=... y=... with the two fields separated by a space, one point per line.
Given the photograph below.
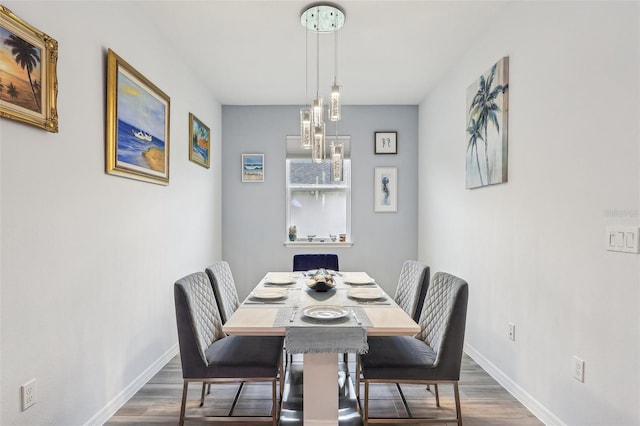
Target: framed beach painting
x=487 y=127
x=137 y=124
x=199 y=141
x=253 y=167
x=386 y=189
x=28 y=81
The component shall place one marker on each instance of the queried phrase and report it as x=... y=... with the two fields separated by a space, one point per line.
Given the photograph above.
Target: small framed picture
x=386 y=189
x=386 y=142
x=253 y=167
x=199 y=140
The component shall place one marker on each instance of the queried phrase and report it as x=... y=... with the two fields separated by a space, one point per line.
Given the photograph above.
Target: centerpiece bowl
x=321 y=281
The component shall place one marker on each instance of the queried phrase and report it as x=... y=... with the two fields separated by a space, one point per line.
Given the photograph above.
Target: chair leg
x=282 y=378
x=274 y=402
x=458 y=408
x=365 y=418
x=184 y=402
x=357 y=376
x=204 y=386
x=435 y=386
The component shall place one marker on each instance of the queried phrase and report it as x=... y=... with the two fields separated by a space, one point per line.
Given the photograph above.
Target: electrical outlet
x=28 y=394
x=511 y=333
x=578 y=369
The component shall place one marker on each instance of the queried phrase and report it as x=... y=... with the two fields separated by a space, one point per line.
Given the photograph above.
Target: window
x=318 y=205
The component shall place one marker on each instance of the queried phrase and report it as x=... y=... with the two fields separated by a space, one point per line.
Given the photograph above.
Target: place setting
x=277 y=280
x=369 y=296
x=322 y=315
x=358 y=279
x=263 y=296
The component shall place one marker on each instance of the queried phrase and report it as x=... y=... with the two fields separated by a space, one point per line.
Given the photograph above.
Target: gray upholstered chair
x=306 y=262
x=433 y=356
x=208 y=356
x=412 y=287
x=224 y=288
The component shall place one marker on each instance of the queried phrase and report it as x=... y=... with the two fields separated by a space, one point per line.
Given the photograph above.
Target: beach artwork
x=487 y=127
x=20 y=72
x=27 y=85
x=139 y=138
x=199 y=139
x=253 y=167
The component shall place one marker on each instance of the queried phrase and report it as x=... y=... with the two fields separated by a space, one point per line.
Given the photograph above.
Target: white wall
x=88 y=260
x=254 y=213
x=533 y=249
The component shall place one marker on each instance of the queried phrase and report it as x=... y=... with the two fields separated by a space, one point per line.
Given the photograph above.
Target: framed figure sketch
x=386 y=142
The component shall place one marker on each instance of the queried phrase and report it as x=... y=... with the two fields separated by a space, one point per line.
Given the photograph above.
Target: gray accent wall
x=253 y=214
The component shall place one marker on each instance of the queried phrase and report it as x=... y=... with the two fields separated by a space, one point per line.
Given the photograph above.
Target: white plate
x=366 y=293
x=268 y=293
x=326 y=312
x=358 y=279
x=280 y=279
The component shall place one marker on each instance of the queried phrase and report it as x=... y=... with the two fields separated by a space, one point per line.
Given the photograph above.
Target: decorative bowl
x=321 y=281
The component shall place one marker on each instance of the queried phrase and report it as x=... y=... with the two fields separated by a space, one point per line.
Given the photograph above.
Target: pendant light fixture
x=320 y=18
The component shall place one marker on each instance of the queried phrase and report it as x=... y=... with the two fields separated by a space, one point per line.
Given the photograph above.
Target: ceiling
x=253 y=52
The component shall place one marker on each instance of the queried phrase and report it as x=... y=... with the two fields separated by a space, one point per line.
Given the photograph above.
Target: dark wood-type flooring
x=483 y=400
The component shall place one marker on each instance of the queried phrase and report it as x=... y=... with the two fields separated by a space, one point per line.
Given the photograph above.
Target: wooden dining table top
x=256 y=317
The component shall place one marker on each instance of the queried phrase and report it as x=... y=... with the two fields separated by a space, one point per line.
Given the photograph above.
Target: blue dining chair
x=306 y=262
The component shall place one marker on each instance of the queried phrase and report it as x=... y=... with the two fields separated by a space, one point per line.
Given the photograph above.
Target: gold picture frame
x=28 y=80
x=137 y=135
x=199 y=141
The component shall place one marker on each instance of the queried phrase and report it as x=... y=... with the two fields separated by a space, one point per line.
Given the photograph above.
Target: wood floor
x=483 y=400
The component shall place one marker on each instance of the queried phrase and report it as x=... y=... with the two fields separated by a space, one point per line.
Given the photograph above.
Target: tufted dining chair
x=306 y=262
x=433 y=356
x=412 y=287
x=209 y=356
x=224 y=288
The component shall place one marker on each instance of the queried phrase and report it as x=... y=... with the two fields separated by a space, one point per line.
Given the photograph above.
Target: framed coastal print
x=386 y=142
x=487 y=127
x=199 y=140
x=253 y=167
x=28 y=81
x=137 y=124
x=386 y=189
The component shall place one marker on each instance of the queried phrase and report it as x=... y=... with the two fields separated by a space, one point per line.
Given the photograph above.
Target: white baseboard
x=538 y=410
x=116 y=403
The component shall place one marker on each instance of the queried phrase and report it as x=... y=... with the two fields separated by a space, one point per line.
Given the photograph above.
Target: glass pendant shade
x=317 y=111
x=317 y=151
x=336 y=161
x=335 y=105
x=306 y=136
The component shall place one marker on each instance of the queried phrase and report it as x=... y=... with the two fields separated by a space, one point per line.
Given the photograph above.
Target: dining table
x=320 y=325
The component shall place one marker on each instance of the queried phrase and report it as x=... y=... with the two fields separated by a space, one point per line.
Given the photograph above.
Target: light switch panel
x=625 y=239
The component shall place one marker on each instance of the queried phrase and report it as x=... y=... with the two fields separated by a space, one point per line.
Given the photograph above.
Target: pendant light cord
x=317 y=64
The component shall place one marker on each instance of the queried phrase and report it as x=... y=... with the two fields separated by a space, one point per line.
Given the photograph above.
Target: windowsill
x=317 y=244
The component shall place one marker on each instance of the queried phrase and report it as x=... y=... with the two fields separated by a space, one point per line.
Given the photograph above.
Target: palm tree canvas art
x=28 y=82
x=487 y=124
x=21 y=70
